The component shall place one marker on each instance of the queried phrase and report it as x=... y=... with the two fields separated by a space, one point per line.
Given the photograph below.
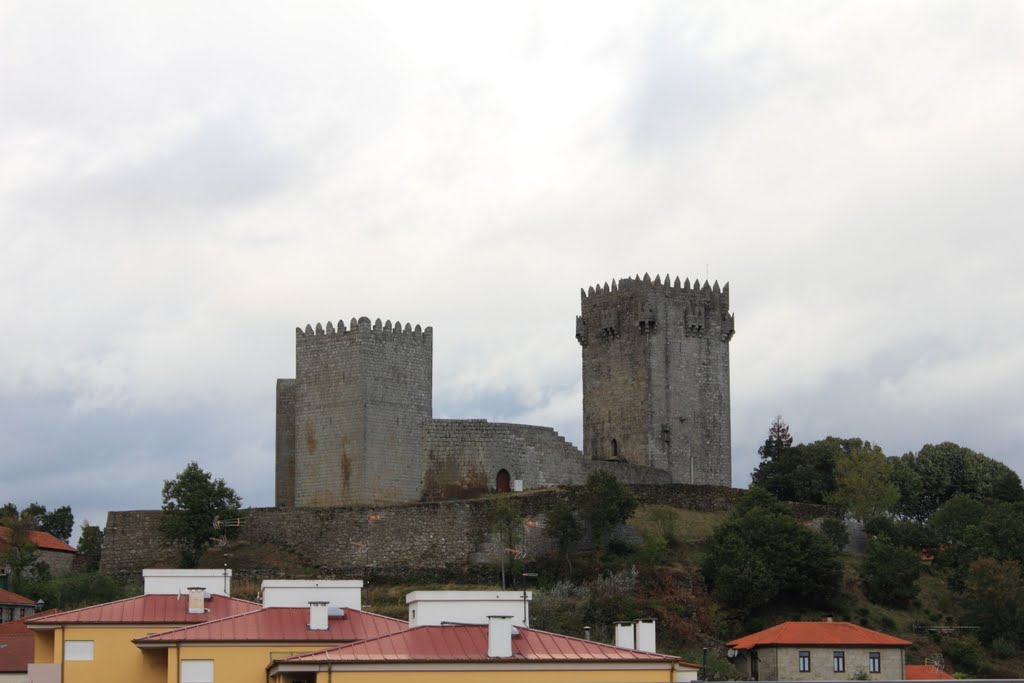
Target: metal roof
x=817 y=633
x=149 y=609
x=461 y=643
x=17 y=647
x=282 y=624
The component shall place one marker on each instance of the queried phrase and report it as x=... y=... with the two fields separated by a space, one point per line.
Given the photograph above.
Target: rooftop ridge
x=363 y=325
x=51 y=618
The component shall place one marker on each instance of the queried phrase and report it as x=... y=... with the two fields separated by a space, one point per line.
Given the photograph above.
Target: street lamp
x=526 y=614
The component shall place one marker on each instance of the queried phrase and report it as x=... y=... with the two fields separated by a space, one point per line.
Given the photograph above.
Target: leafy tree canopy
x=90 y=546
x=605 y=502
x=60 y=522
x=890 y=573
x=762 y=554
x=805 y=473
x=865 y=485
x=993 y=599
x=191 y=502
x=936 y=473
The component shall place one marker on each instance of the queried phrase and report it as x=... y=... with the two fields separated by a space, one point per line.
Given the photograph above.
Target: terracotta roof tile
x=816 y=633
x=926 y=672
x=41 y=539
x=459 y=643
x=9 y=598
x=282 y=624
x=149 y=609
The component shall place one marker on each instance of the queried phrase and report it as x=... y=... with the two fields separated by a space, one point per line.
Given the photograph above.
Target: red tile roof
x=926 y=672
x=816 y=633
x=41 y=539
x=149 y=609
x=282 y=624
x=17 y=647
x=9 y=598
x=454 y=643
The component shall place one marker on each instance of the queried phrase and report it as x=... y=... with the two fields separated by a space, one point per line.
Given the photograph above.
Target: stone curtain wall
x=451 y=537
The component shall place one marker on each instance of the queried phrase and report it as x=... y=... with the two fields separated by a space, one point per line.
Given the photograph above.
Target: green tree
x=993 y=599
x=805 y=473
x=605 y=502
x=21 y=555
x=778 y=442
x=936 y=473
x=890 y=573
x=762 y=554
x=505 y=516
x=191 y=503
x=836 y=532
x=864 y=483
x=90 y=546
x=562 y=526
x=59 y=522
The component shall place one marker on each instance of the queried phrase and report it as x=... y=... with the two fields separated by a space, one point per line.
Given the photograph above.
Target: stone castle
x=356 y=427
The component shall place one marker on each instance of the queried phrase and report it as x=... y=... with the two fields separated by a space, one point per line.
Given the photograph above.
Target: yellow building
x=238 y=649
x=94 y=644
x=493 y=653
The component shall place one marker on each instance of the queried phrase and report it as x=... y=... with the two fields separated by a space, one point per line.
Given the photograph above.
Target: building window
x=875 y=662
x=78 y=650
x=805 y=661
x=197 y=671
x=615 y=449
x=838 y=662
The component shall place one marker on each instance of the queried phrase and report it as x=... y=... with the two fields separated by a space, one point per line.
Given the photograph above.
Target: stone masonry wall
x=359 y=403
x=434 y=537
x=656 y=376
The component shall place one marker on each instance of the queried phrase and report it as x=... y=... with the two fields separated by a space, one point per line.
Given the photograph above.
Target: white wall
x=347 y=594
x=431 y=608
x=175 y=581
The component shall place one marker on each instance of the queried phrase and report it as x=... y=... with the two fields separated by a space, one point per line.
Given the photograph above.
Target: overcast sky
x=182 y=184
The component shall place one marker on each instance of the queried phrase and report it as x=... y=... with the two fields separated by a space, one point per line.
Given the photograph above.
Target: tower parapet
x=656 y=375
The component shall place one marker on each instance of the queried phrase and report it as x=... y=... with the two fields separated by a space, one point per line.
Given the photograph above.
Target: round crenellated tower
x=656 y=376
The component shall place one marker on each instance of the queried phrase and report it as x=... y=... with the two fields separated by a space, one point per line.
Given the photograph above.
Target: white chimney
x=645 y=635
x=499 y=636
x=317 y=615
x=197 y=600
x=625 y=635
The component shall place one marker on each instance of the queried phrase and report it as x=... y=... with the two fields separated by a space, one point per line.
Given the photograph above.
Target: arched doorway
x=503 y=484
x=615 y=449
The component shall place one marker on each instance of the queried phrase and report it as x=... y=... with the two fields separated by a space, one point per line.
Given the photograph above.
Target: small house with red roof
x=57 y=554
x=14 y=606
x=819 y=651
x=455 y=653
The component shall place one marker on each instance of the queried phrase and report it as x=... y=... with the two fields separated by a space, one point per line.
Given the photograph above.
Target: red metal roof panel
x=462 y=643
x=279 y=624
x=817 y=633
x=150 y=609
x=17 y=647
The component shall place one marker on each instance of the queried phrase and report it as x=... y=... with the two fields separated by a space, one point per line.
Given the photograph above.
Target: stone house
x=57 y=554
x=819 y=651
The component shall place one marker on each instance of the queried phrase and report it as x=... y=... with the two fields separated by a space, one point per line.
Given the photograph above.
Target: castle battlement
x=715 y=294
x=363 y=325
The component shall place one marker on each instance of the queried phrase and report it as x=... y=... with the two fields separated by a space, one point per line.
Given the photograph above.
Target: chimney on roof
x=625 y=634
x=586 y=633
x=645 y=640
x=196 y=600
x=499 y=636
x=317 y=615
x=829 y=618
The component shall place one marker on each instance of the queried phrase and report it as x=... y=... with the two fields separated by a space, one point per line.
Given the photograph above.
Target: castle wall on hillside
x=453 y=536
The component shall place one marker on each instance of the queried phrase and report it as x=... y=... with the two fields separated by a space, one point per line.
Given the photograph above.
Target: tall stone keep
x=656 y=376
x=350 y=426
